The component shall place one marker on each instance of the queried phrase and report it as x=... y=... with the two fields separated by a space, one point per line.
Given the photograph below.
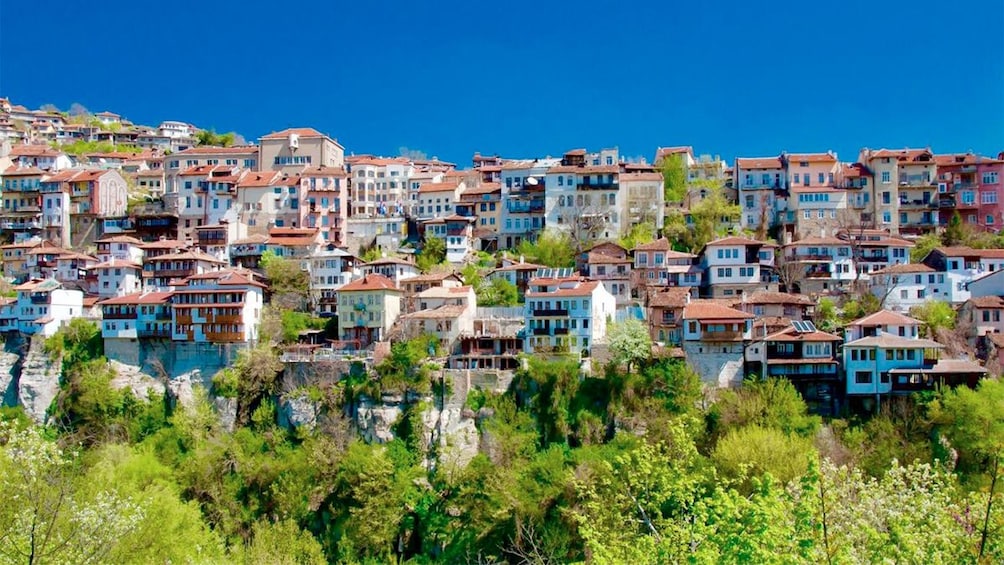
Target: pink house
x=975 y=182
x=326 y=202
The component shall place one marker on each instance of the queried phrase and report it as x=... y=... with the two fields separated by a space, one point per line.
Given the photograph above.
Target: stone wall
x=158 y=356
x=10 y=370
x=38 y=384
x=716 y=368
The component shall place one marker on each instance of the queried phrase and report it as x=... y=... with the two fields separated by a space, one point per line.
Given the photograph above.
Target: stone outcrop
x=297 y=410
x=132 y=378
x=10 y=371
x=375 y=420
x=38 y=384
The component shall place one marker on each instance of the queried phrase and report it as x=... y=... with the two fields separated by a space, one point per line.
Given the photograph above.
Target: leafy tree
x=497 y=292
x=711 y=217
x=674 y=179
x=864 y=304
x=753 y=451
x=629 y=342
x=955 y=231
x=211 y=138
x=826 y=315
x=288 y=282
x=282 y=543
x=638 y=234
x=772 y=403
x=973 y=420
x=433 y=253
x=924 y=245
x=936 y=315
x=552 y=248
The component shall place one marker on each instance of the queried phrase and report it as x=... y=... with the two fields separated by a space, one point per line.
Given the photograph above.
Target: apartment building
x=292 y=149
x=494 y=343
x=566 y=314
x=657 y=264
x=163 y=272
x=325 y=194
x=379 y=184
x=44 y=305
x=484 y=203
x=609 y=263
x=40 y=156
x=438 y=199
x=525 y=190
x=140 y=315
x=265 y=200
x=222 y=306
x=21 y=215
x=713 y=341
x=207 y=196
x=645 y=198
x=665 y=314
x=901 y=287
x=411 y=287
x=589 y=204
x=971 y=184
x=874 y=250
x=244 y=156
x=819 y=264
x=805 y=357
x=445 y=312
x=900 y=176
x=762 y=185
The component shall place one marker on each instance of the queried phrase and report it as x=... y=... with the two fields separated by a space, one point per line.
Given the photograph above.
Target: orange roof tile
x=208 y=150
x=701 y=310
x=302 y=132
x=370 y=282
x=759 y=163
x=139 y=298
x=437 y=187
x=584 y=288
x=811 y=158
x=886 y=318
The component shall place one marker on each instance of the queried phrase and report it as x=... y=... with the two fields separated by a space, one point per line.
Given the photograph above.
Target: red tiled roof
x=437 y=187
x=811 y=158
x=759 y=163
x=736 y=240
x=791 y=334
x=15 y=171
x=139 y=298
x=240 y=149
x=901 y=154
x=164 y=244
x=662 y=152
x=850 y=170
x=669 y=297
x=769 y=297
x=992 y=302
x=886 y=318
x=583 y=288
x=33 y=151
x=904 y=268
x=117 y=263
x=628 y=177
x=119 y=239
x=302 y=132
x=970 y=252
x=324 y=171
x=701 y=310
x=369 y=282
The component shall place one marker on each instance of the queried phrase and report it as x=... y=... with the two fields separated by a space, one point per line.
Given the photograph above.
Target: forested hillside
x=637 y=464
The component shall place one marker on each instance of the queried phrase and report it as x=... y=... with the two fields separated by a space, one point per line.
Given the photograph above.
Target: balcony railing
x=155 y=333
x=560 y=331
x=550 y=312
x=541 y=331
x=721 y=336
x=597 y=186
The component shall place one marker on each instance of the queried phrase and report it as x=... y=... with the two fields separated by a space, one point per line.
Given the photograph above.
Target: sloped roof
x=139 y=298
x=886 y=318
x=369 y=282
x=701 y=310
x=889 y=340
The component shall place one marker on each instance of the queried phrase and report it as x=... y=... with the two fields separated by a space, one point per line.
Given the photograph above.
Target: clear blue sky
x=530 y=78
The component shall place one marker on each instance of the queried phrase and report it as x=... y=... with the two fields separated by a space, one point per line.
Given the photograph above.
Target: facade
x=367 y=309
x=609 y=263
x=379 y=184
x=43 y=306
x=961 y=266
x=326 y=204
x=566 y=315
x=524 y=185
x=22 y=203
x=762 y=185
x=244 y=156
x=819 y=264
x=437 y=199
x=117 y=277
x=166 y=271
x=390 y=267
x=645 y=198
x=657 y=264
x=972 y=185
x=585 y=201
x=458 y=234
x=806 y=357
x=413 y=286
x=900 y=176
x=291 y=150
x=982 y=316
x=733 y=265
x=901 y=287
x=484 y=204
x=665 y=314
x=445 y=312
x=330 y=268
x=141 y=315
x=714 y=338
x=222 y=306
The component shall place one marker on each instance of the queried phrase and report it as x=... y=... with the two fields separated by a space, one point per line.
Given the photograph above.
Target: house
x=411 y=287
x=221 y=306
x=206 y=195
x=165 y=271
x=116 y=277
x=566 y=314
x=243 y=156
x=883 y=321
x=40 y=156
x=456 y=231
x=962 y=265
x=903 y=286
x=140 y=315
x=815 y=211
x=762 y=184
x=766 y=303
x=40 y=261
x=330 y=268
x=818 y=265
x=644 y=198
x=325 y=193
x=122 y=247
x=906 y=172
x=657 y=264
x=214 y=239
x=297 y=244
x=437 y=199
x=15 y=258
x=989 y=284
x=971 y=184
x=446 y=312
x=247 y=252
x=484 y=203
x=525 y=195
x=154 y=220
x=72 y=266
x=874 y=250
x=518 y=273
x=736 y=264
x=43 y=306
x=585 y=201
x=714 y=338
x=21 y=214
x=268 y=199
x=982 y=316
x=390 y=267
x=367 y=309
x=806 y=357
x=665 y=314
x=379 y=184
x=494 y=343
x=292 y=149
x=609 y=263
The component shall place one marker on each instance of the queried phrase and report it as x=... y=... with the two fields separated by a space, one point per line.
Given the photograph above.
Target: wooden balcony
x=225 y=337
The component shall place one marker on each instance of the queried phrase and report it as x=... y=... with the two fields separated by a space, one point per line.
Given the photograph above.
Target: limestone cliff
x=39 y=381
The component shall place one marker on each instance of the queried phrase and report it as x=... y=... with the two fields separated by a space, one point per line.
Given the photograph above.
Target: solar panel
x=803 y=326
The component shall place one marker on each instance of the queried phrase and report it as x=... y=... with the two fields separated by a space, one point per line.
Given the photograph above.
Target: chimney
x=521 y=258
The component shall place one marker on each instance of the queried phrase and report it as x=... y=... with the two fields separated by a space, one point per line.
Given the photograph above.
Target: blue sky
x=530 y=78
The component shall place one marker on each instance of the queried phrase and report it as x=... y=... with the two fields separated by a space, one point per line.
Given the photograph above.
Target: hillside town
x=800 y=266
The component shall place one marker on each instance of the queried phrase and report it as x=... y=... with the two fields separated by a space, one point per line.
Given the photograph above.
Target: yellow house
x=367 y=308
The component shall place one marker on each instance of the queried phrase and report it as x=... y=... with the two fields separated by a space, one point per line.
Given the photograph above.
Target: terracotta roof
x=483 y=188
x=71 y=255
x=117 y=263
x=302 y=132
x=669 y=297
x=303 y=241
x=139 y=298
x=39 y=284
x=225 y=277
x=451 y=218
x=889 y=340
x=388 y=261
x=736 y=240
x=324 y=171
x=901 y=154
x=445 y=292
x=628 y=177
x=257 y=238
x=661 y=244
x=970 y=252
x=369 y=282
x=585 y=170
x=886 y=318
x=33 y=151
x=811 y=158
x=702 y=310
x=852 y=170
x=437 y=187
x=904 y=268
x=201 y=170
x=164 y=244
x=960 y=159
x=600 y=258
x=759 y=163
x=119 y=239
x=375 y=161
x=430 y=277
x=997 y=339
x=191 y=254
x=662 y=152
x=47 y=249
x=769 y=297
x=994 y=302
x=584 y=288
x=520 y=267
x=819 y=241
x=15 y=171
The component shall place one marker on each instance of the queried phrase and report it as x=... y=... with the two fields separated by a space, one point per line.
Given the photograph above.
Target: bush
x=755 y=451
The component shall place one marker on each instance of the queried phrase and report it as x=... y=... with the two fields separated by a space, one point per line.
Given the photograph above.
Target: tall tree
x=630 y=342
x=674 y=179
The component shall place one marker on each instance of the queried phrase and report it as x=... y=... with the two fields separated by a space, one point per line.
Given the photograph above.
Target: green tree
x=211 y=138
x=282 y=543
x=552 y=248
x=638 y=234
x=924 y=245
x=771 y=403
x=709 y=218
x=287 y=281
x=973 y=420
x=936 y=315
x=674 y=179
x=629 y=342
x=497 y=291
x=955 y=231
x=753 y=451
x=433 y=253
x=826 y=315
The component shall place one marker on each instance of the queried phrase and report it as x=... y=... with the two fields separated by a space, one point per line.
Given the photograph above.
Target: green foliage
x=712 y=217
x=552 y=248
x=923 y=245
x=772 y=403
x=81 y=148
x=76 y=343
x=955 y=231
x=826 y=315
x=900 y=432
x=629 y=342
x=753 y=451
x=405 y=368
x=287 y=281
x=936 y=315
x=674 y=179
x=211 y=138
x=433 y=253
x=638 y=234
x=295 y=322
x=859 y=307
x=282 y=543
x=497 y=291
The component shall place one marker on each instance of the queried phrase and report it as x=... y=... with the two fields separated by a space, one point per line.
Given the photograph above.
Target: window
x=822 y=178
x=989 y=197
x=990 y=177
x=806 y=214
x=886 y=218
x=968 y=197
x=886 y=198
x=886 y=177
x=862 y=377
x=798 y=177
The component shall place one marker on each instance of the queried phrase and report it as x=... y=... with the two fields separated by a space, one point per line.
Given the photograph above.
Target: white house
x=330 y=268
x=901 y=287
x=713 y=341
x=824 y=263
x=962 y=265
x=43 y=306
x=391 y=267
x=141 y=315
x=567 y=314
x=736 y=264
x=218 y=307
x=759 y=180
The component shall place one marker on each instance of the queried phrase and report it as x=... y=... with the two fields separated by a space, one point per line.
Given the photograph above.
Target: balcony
x=225 y=337
x=21 y=225
x=721 y=336
x=818 y=274
x=915 y=180
x=169 y=273
x=119 y=315
x=226 y=319
x=550 y=312
x=913 y=204
x=560 y=331
x=541 y=331
x=946 y=203
x=874 y=258
x=39 y=298
x=155 y=333
x=597 y=186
